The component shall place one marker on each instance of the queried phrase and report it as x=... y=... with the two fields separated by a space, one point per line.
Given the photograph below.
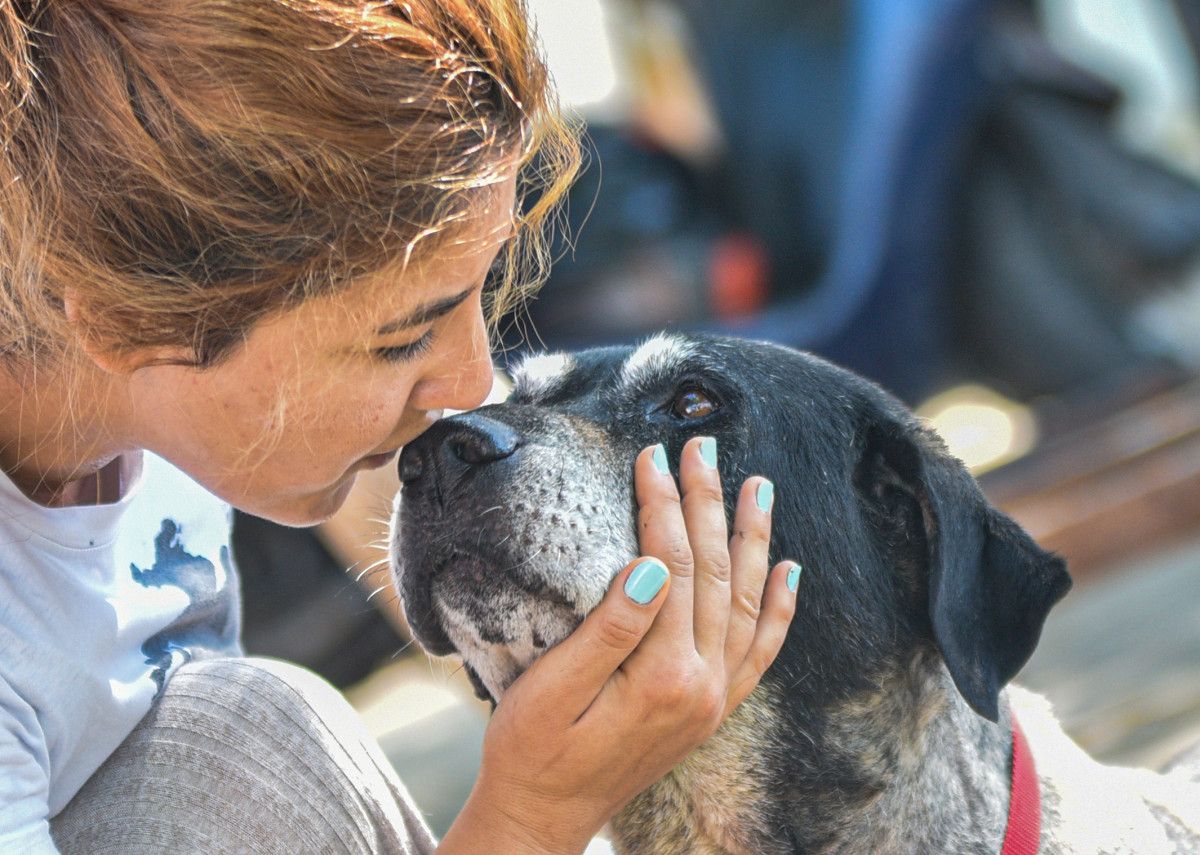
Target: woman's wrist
x=489 y=825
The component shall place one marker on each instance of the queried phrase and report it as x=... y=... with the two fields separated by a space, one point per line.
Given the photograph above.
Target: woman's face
x=334 y=386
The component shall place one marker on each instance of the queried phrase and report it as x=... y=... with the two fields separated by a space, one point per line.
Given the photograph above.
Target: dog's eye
x=693 y=404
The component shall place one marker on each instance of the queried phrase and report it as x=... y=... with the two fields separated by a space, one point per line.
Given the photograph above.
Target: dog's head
x=514 y=518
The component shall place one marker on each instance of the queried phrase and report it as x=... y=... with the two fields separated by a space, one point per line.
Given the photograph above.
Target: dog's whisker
x=370 y=568
x=405 y=646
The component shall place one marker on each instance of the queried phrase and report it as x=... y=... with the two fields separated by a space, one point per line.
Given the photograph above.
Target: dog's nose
x=465 y=441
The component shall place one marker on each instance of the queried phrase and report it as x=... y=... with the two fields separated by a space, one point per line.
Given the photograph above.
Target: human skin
x=280 y=429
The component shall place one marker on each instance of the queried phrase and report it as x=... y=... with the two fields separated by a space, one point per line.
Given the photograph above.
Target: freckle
x=574 y=525
x=543 y=548
x=527 y=540
x=595 y=509
x=579 y=508
x=555 y=519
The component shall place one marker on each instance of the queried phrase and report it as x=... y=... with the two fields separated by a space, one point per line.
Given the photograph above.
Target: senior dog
x=885 y=724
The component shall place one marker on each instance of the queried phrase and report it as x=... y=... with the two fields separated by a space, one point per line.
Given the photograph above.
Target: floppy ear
x=989 y=585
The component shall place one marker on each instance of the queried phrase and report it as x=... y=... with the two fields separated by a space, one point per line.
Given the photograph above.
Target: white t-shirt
x=98 y=606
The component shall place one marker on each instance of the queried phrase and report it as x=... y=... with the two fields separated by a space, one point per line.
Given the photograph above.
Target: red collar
x=1024 y=805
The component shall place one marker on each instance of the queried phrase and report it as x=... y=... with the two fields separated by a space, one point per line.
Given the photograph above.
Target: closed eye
x=404 y=352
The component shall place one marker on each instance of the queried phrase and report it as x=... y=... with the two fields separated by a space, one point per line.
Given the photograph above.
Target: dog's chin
x=493 y=666
x=499 y=624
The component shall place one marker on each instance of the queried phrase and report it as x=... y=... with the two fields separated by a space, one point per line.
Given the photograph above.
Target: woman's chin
x=303 y=511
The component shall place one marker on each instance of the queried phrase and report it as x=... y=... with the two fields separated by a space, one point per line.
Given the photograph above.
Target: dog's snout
x=468 y=440
x=480 y=440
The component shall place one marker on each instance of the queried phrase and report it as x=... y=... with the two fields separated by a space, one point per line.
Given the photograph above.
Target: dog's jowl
x=886 y=724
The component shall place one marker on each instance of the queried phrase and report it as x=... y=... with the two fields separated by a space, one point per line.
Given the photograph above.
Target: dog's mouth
x=497 y=618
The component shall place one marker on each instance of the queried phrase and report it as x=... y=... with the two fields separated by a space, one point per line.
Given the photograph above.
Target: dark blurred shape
x=935 y=194
x=299 y=604
x=1064 y=231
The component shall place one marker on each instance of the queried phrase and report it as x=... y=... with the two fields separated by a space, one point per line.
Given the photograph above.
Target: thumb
x=583 y=662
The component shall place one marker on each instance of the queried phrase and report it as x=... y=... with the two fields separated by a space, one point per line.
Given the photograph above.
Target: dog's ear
x=988 y=585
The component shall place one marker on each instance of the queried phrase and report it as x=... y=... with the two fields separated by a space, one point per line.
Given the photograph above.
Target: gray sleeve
x=245 y=755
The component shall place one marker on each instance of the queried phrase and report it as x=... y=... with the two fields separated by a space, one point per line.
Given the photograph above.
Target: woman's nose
x=461 y=378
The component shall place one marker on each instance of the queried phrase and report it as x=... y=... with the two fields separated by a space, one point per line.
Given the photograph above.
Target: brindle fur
x=883 y=726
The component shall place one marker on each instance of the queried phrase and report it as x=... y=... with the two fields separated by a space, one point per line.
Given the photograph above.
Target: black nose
x=465 y=441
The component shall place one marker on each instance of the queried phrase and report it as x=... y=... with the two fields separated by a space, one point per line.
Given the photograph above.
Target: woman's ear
x=109 y=359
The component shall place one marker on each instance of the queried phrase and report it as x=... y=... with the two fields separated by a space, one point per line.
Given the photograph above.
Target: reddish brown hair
x=187 y=167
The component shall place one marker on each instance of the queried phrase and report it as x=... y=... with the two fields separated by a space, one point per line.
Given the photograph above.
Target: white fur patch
x=657 y=354
x=540 y=373
x=1103 y=808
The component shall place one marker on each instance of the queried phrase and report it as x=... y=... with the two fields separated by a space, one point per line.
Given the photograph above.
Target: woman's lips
x=375 y=461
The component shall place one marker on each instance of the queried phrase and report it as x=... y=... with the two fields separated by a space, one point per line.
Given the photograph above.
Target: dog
x=886 y=723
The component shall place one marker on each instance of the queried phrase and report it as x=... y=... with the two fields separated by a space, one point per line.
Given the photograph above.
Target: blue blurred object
x=920 y=179
x=909 y=91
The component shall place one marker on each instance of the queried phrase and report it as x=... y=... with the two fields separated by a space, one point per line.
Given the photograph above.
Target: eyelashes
x=404 y=352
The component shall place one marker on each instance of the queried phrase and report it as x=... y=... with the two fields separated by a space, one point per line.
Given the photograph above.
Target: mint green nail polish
x=765 y=496
x=646 y=581
x=793 y=577
x=660 y=459
x=708 y=451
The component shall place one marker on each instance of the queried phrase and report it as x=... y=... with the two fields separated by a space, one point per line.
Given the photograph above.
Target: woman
x=243 y=251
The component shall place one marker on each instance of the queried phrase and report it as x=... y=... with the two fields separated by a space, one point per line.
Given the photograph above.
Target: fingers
x=778 y=608
x=583 y=663
x=748 y=548
x=704 y=518
x=662 y=533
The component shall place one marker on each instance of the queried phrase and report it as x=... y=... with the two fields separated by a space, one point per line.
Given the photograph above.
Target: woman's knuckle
x=705 y=492
x=760 y=660
x=709 y=706
x=748 y=602
x=667 y=695
x=620 y=632
x=678 y=554
x=675 y=687
x=715 y=561
x=758 y=533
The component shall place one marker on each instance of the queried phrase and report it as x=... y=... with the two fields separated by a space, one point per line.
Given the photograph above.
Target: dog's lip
x=429 y=630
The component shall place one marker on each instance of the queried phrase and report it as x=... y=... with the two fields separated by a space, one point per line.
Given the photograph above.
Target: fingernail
x=708 y=451
x=646 y=581
x=660 y=459
x=793 y=577
x=765 y=496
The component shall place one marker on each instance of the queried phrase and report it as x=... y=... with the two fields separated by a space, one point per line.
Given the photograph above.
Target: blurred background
x=991 y=207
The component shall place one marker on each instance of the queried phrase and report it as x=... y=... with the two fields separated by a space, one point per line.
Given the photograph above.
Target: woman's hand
x=638 y=685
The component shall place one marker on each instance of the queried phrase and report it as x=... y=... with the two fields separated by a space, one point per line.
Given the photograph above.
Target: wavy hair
x=185 y=168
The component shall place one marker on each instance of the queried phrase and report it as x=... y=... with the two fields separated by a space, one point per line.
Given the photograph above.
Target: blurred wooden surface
x=1112 y=489
x=1120 y=659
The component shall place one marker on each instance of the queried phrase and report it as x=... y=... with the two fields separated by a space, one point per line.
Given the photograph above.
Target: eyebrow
x=425 y=314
